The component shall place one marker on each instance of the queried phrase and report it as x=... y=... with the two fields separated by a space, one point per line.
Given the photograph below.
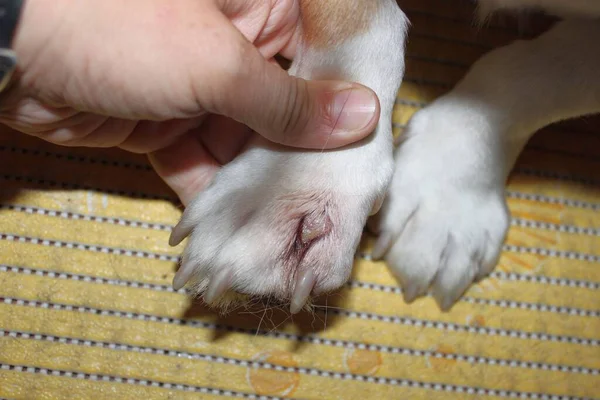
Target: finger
x=186 y=166
x=223 y=137
x=149 y=136
x=273 y=27
x=65 y=126
x=286 y=109
x=68 y=127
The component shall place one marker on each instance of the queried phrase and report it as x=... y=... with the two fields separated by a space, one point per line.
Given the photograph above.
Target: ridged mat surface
x=87 y=311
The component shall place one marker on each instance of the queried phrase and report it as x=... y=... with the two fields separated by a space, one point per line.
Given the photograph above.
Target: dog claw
x=383 y=244
x=217 y=286
x=377 y=206
x=411 y=292
x=183 y=275
x=304 y=285
x=179 y=232
x=446 y=303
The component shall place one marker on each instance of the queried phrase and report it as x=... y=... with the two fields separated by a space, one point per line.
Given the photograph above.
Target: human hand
x=186 y=80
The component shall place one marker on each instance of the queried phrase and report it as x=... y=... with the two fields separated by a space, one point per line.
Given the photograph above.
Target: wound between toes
x=312 y=227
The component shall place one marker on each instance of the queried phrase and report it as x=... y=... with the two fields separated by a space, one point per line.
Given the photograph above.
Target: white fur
x=445 y=219
x=246 y=224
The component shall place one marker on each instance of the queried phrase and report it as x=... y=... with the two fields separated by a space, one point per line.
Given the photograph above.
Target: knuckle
x=294 y=119
x=223 y=80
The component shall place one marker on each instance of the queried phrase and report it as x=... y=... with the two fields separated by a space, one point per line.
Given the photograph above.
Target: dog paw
x=445 y=219
x=277 y=224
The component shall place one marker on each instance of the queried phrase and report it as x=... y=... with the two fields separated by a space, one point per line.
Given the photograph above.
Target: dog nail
x=183 y=275
x=381 y=246
x=411 y=292
x=304 y=285
x=445 y=302
x=179 y=233
x=377 y=206
x=217 y=286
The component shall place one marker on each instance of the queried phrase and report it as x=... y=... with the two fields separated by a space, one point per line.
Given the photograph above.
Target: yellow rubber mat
x=87 y=311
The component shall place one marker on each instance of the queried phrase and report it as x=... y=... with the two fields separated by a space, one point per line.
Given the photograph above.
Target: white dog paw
x=284 y=226
x=445 y=219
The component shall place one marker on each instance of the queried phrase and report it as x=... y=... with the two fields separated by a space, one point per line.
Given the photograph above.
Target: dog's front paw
x=445 y=219
x=284 y=226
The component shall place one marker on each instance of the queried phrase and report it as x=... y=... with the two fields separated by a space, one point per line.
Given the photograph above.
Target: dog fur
x=285 y=224
x=445 y=219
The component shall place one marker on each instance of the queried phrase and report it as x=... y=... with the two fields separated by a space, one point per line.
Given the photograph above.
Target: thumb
x=293 y=111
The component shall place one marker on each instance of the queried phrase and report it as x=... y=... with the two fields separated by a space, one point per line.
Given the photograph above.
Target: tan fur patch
x=327 y=23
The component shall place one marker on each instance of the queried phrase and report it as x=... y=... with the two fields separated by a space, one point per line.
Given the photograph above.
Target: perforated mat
x=87 y=310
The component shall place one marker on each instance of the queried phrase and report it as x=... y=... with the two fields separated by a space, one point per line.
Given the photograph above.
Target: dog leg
x=445 y=220
x=283 y=223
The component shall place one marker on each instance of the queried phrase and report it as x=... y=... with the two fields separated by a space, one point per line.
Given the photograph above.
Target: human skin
x=186 y=82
